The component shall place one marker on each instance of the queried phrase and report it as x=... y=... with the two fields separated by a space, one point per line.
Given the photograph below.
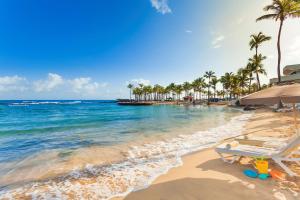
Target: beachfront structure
x=291 y=75
x=188 y=98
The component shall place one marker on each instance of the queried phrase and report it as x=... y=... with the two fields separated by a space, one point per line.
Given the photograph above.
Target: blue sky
x=66 y=49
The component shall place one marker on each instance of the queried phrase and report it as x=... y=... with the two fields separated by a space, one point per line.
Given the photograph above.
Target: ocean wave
x=26 y=103
x=143 y=164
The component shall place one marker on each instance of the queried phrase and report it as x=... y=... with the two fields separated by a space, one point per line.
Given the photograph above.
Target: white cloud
x=161 y=6
x=188 y=31
x=138 y=81
x=53 y=86
x=216 y=43
x=53 y=81
x=12 y=83
x=86 y=85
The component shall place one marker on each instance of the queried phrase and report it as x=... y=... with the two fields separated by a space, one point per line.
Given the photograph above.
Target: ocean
x=99 y=149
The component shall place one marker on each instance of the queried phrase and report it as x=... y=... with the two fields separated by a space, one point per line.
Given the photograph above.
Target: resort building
x=291 y=75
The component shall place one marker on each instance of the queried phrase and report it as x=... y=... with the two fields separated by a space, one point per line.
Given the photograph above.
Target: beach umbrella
x=273 y=95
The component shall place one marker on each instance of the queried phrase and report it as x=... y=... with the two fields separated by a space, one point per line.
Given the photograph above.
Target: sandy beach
x=204 y=175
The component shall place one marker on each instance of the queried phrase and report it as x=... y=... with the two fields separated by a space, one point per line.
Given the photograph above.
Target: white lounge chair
x=269 y=142
x=284 y=153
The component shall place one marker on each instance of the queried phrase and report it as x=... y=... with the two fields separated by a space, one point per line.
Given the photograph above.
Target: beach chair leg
x=283 y=166
x=230 y=161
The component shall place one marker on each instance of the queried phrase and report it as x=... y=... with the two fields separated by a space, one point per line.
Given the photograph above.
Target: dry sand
x=204 y=176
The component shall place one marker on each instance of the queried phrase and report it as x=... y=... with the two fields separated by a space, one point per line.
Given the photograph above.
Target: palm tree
x=250 y=68
x=147 y=90
x=257 y=40
x=172 y=88
x=186 y=87
x=195 y=87
x=214 y=82
x=160 y=92
x=258 y=67
x=178 y=90
x=137 y=93
x=130 y=86
x=223 y=82
x=282 y=9
x=227 y=82
x=242 y=76
x=209 y=75
x=234 y=85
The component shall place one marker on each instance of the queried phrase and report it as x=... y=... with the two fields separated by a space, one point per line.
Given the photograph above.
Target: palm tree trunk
x=250 y=85
x=223 y=92
x=208 y=90
x=258 y=81
x=214 y=93
x=279 y=51
x=257 y=76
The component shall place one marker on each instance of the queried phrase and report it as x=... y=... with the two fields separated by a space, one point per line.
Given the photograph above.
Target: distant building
x=291 y=75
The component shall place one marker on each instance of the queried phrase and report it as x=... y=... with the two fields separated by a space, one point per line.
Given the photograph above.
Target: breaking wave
x=142 y=165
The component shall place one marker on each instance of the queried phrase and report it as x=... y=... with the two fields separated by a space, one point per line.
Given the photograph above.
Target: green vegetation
x=233 y=85
x=130 y=86
x=255 y=42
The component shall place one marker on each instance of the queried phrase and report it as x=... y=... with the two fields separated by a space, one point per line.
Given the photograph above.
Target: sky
x=75 y=49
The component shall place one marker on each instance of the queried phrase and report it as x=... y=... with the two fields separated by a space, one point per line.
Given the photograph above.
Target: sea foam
x=143 y=164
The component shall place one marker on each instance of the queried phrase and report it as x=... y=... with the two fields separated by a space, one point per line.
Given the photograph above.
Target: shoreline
x=150 y=165
x=204 y=175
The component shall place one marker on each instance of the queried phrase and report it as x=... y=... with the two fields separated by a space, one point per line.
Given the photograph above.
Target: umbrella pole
x=295 y=117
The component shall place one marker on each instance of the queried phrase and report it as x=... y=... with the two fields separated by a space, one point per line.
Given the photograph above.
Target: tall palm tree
x=242 y=76
x=250 y=68
x=172 y=88
x=178 y=90
x=138 y=93
x=198 y=85
x=130 y=86
x=214 y=81
x=186 y=87
x=209 y=75
x=282 y=9
x=155 y=91
x=223 y=82
x=234 y=85
x=161 y=91
x=226 y=82
x=202 y=85
x=195 y=86
x=147 y=92
x=258 y=67
x=257 y=40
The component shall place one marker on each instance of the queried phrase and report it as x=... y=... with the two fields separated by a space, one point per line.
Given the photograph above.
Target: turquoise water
x=32 y=126
x=59 y=141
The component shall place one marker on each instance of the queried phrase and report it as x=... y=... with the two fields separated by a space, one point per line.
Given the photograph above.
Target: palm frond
x=267 y=16
x=295 y=14
x=270 y=7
